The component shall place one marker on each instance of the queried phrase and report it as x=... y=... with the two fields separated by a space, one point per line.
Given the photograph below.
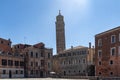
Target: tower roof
x=59 y=12
x=59 y=15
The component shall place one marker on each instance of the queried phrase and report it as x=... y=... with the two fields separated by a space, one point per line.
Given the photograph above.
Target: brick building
x=107 y=53
x=11 y=64
x=23 y=60
x=5 y=45
x=37 y=59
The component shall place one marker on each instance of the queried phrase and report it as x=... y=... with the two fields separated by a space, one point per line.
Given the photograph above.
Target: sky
x=33 y=21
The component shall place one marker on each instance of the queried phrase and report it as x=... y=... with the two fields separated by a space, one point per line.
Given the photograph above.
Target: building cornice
x=108 y=31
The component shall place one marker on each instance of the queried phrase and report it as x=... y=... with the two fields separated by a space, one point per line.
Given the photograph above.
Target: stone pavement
x=41 y=79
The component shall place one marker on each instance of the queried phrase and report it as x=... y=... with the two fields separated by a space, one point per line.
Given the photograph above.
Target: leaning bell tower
x=60 y=33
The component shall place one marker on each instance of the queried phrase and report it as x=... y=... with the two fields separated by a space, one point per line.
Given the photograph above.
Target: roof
x=74 y=48
x=108 y=31
x=6 y=40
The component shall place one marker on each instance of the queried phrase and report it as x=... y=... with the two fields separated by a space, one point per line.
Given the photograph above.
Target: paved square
x=42 y=79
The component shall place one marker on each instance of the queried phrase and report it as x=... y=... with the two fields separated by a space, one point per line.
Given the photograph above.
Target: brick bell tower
x=60 y=33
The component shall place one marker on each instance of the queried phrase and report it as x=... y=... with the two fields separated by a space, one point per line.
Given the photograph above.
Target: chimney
x=71 y=47
x=89 y=44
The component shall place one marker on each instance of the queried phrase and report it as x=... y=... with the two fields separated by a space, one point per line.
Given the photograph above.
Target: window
x=79 y=61
x=42 y=54
x=64 y=73
x=111 y=73
x=113 y=51
x=100 y=73
x=83 y=71
x=4 y=62
x=64 y=55
x=99 y=63
x=4 y=71
x=69 y=54
x=31 y=72
x=16 y=63
x=69 y=62
x=83 y=60
x=42 y=63
x=21 y=63
x=1 y=42
x=16 y=54
x=111 y=62
x=74 y=53
x=18 y=46
x=99 y=42
x=8 y=44
x=49 y=55
x=31 y=63
x=74 y=71
x=69 y=71
x=99 y=53
x=21 y=72
x=31 y=54
x=48 y=65
x=16 y=71
x=9 y=53
x=36 y=55
x=64 y=62
x=36 y=71
x=10 y=62
x=36 y=63
x=113 y=39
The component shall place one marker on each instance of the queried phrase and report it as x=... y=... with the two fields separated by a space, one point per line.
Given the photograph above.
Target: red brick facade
x=107 y=53
x=5 y=45
x=37 y=59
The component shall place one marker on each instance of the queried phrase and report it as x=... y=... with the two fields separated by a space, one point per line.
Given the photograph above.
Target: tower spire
x=59 y=12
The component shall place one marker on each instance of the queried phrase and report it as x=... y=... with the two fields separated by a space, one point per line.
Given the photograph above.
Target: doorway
x=41 y=74
x=10 y=74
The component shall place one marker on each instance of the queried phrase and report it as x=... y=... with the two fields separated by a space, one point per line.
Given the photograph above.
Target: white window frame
x=114 y=38
x=98 y=53
x=111 y=51
x=99 y=42
x=119 y=50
